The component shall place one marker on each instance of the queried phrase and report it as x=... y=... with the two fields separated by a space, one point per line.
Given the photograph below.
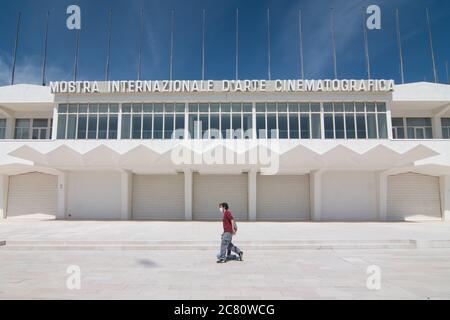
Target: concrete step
x=213 y=245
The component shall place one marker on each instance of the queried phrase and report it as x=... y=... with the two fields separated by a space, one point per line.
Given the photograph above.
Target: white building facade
x=273 y=155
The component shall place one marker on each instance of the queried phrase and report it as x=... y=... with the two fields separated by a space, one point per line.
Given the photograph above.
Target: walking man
x=229 y=229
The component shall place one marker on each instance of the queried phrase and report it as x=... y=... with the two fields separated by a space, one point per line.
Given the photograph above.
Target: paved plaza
x=148 y=260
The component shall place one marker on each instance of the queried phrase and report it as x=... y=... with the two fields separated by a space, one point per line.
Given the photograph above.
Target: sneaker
x=241 y=255
x=221 y=261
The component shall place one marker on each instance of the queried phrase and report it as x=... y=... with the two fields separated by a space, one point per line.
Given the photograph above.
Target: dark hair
x=224 y=205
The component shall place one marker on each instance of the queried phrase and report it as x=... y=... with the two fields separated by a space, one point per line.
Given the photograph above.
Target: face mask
x=221 y=209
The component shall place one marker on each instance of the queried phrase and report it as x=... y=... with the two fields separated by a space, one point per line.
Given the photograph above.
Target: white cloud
x=28 y=70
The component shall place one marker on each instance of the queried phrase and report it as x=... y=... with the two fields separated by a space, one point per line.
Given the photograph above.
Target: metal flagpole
x=431 y=46
x=366 y=44
x=333 y=42
x=15 y=49
x=268 y=44
x=237 y=43
x=109 y=46
x=446 y=71
x=300 y=34
x=399 y=42
x=77 y=49
x=203 y=46
x=44 y=59
x=141 y=33
x=171 y=46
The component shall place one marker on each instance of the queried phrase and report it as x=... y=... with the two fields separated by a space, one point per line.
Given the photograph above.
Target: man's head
x=223 y=206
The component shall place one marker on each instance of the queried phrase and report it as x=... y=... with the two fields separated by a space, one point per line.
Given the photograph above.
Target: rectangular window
x=168 y=126
x=214 y=130
x=371 y=126
x=147 y=126
x=203 y=126
x=126 y=126
x=82 y=126
x=225 y=123
x=361 y=126
x=445 y=124
x=2 y=128
x=247 y=125
x=339 y=125
x=304 y=126
x=237 y=125
x=329 y=126
x=419 y=128
x=261 y=126
x=271 y=125
x=350 y=126
x=158 y=126
x=92 y=126
x=293 y=126
x=316 y=126
x=22 y=130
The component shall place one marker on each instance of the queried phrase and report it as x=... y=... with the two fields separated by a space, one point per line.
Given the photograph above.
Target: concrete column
x=9 y=132
x=252 y=195
x=389 y=120
x=382 y=181
x=62 y=196
x=444 y=182
x=4 y=181
x=315 y=194
x=126 y=183
x=55 y=123
x=437 y=128
x=188 y=185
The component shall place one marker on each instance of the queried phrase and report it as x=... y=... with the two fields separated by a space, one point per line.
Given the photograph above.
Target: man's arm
x=232 y=226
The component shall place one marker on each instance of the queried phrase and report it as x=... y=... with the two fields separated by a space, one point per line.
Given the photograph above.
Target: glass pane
x=261 y=126
x=147 y=107
x=103 y=108
x=382 y=126
x=359 y=106
x=168 y=126
x=169 y=107
x=71 y=126
x=147 y=126
x=237 y=126
x=271 y=125
x=428 y=133
x=328 y=123
x=40 y=123
x=315 y=126
x=225 y=107
x=126 y=126
x=397 y=122
x=92 y=126
x=203 y=126
x=370 y=107
x=247 y=107
x=102 y=126
x=93 y=108
x=304 y=107
x=136 y=108
x=136 y=126
x=179 y=107
x=126 y=107
x=82 y=126
x=22 y=123
x=62 y=108
x=350 y=125
x=158 y=126
x=214 y=107
x=83 y=108
x=349 y=107
x=61 y=133
x=179 y=121
x=381 y=107
x=114 y=108
x=371 y=126
x=214 y=126
x=73 y=108
x=293 y=126
x=260 y=107
x=338 y=107
x=193 y=107
x=315 y=107
x=339 y=126
x=158 y=107
x=400 y=133
x=271 y=107
x=418 y=122
x=420 y=133
x=113 y=122
x=282 y=126
x=293 y=107
x=203 y=107
x=225 y=123
x=282 y=107
x=304 y=126
x=247 y=125
x=236 y=107
x=193 y=124
x=361 y=126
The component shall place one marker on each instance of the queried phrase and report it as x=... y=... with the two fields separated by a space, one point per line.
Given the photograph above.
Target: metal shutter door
x=282 y=197
x=210 y=190
x=32 y=194
x=413 y=196
x=158 y=197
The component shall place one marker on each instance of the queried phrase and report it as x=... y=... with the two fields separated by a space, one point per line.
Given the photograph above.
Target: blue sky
x=220 y=39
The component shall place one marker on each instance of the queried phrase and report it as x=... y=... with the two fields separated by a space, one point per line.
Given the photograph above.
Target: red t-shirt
x=227 y=217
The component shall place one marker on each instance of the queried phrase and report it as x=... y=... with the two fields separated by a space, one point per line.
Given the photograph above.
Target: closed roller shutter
x=413 y=196
x=210 y=190
x=32 y=195
x=158 y=197
x=283 y=198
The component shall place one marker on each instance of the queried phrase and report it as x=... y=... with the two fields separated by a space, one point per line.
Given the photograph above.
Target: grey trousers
x=226 y=246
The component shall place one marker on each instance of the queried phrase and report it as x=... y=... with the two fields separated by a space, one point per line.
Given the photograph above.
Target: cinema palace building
x=275 y=150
